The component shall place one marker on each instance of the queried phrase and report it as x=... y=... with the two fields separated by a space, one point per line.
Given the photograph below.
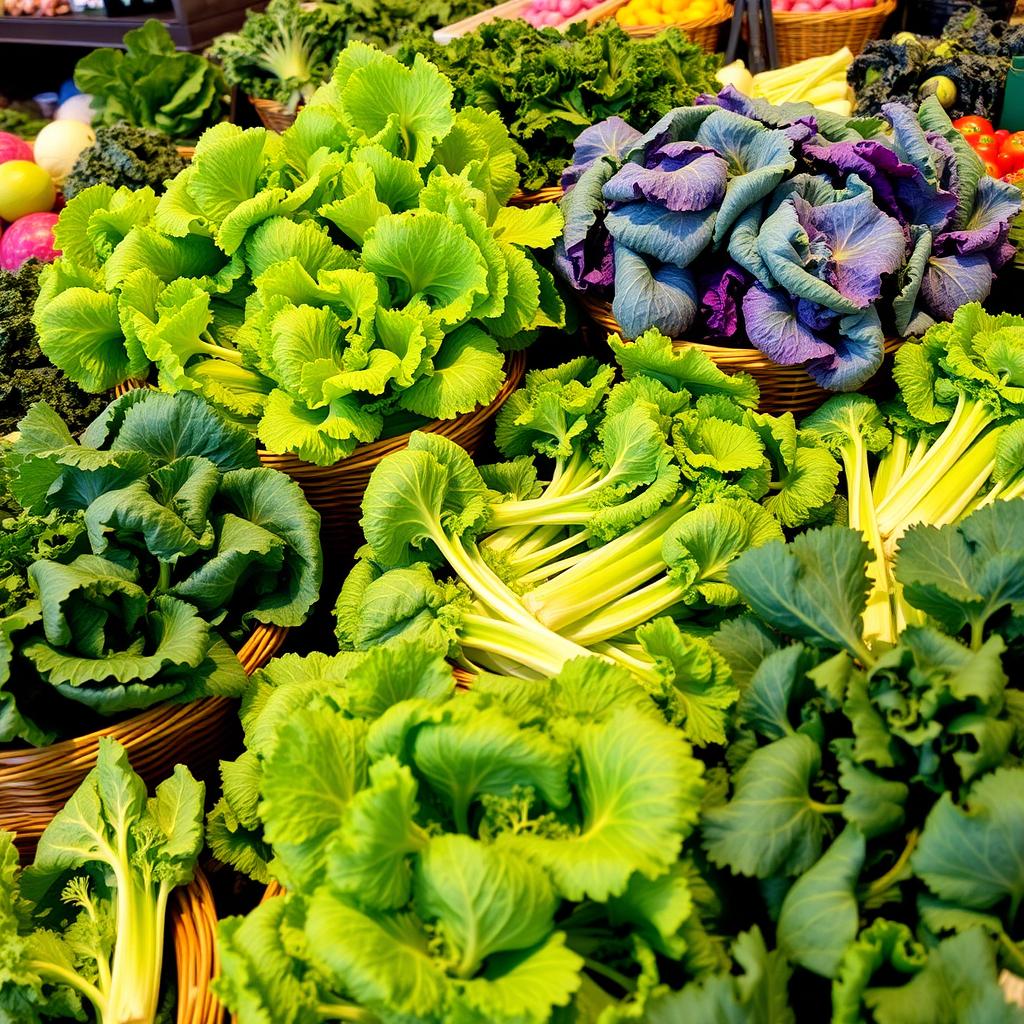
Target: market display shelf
x=192 y=25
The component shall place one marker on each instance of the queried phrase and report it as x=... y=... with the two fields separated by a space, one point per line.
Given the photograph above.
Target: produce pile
x=151 y=85
x=645 y=704
x=965 y=68
x=810 y=235
x=684 y=13
x=135 y=555
x=231 y=285
x=820 y=81
x=287 y=50
x=545 y=85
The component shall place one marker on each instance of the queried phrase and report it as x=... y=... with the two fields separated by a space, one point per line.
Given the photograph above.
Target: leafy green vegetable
x=884 y=778
x=283 y=52
x=26 y=375
x=952 y=444
x=152 y=85
x=141 y=548
x=325 y=286
x=124 y=154
x=620 y=549
x=450 y=854
x=84 y=925
x=547 y=85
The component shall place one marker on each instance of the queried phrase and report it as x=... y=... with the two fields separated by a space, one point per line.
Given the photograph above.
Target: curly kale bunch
x=26 y=375
x=125 y=155
x=974 y=52
x=548 y=85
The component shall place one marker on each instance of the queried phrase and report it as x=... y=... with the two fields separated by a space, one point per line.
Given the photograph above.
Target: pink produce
x=862 y=5
x=802 y=7
x=29 y=236
x=13 y=148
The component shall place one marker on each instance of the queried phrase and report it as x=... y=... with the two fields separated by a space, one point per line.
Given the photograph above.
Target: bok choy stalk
x=85 y=923
x=953 y=443
x=608 y=532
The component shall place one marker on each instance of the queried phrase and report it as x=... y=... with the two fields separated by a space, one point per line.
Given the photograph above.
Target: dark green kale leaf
x=548 y=85
x=125 y=155
x=26 y=375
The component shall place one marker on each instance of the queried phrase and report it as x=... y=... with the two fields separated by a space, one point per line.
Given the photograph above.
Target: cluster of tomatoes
x=1002 y=150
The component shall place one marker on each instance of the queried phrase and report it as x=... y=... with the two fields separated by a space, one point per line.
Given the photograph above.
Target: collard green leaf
x=771 y=825
x=971 y=855
x=814 y=588
x=819 y=915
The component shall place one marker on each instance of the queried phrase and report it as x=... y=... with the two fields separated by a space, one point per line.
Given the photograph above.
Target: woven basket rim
x=601 y=311
x=276 y=106
x=194 y=930
x=250 y=654
x=683 y=26
x=816 y=18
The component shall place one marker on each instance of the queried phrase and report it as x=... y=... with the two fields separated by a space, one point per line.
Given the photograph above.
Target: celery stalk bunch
x=608 y=532
x=952 y=443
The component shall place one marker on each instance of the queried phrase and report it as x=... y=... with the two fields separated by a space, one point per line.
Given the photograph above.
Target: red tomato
x=985 y=139
x=1002 y=135
x=989 y=153
x=1013 y=149
x=992 y=170
x=1005 y=163
x=973 y=125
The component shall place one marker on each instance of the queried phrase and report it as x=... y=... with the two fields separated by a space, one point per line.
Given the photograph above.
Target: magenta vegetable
x=28 y=237
x=13 y=148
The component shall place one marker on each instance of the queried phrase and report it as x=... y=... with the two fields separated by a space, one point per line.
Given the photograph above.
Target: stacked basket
x=801 y=35
x=705 y=33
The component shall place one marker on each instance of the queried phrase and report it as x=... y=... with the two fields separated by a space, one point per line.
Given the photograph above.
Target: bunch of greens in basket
x=287 y=50
x=318 y=285
x=152 y=85
x=608 y=532
x=809 y=235
x=283 y=52
x=142 y=548
x=874 y=798
x=953 y=443
x=84 y=926
x=124 y=155
x=546 y=84
x=510 y=854
x=26 y=375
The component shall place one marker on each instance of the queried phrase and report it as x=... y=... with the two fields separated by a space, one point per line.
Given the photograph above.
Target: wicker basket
x=336 y=492
x=276 y=116
x=548 y=194
x=194 y=929
x=800 y=36
x=35 y=783
x=705 y=34
x=783 y=388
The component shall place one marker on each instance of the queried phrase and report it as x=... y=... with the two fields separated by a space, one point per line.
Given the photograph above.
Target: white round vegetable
x=76 y=108
x=57 y=147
